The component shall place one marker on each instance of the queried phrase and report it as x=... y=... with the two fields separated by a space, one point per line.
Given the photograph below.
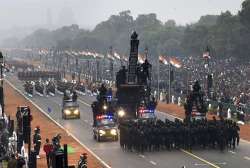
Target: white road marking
x=142 y=156
x=232 y=152
x=84 y=103
x=153 y=163
x=200 y=164
x=204 y=164
x=246 y=157
x=199 y=158
x=243 y=140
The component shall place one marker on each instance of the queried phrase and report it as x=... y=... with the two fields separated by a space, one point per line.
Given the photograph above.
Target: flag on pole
x=163 y=60
x=141 y=58
x=175 y=62
x=206 y=55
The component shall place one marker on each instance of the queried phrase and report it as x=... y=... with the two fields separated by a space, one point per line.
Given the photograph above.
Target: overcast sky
x=88 y=13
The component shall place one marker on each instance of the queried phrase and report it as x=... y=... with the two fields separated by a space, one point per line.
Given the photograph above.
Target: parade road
x=114 y=156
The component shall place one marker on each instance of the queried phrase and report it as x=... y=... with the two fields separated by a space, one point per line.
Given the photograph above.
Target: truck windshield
x=105 y=122
x=70 y=104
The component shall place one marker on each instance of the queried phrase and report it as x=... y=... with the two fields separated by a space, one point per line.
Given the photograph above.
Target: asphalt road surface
x=113 y=155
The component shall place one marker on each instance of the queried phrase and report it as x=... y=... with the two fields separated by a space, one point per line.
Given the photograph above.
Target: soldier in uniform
x=145 y=66
x=95 y=109
x=74 y=96
x=56 y=142
x=82 y=163
x=37 y=141
x=102 y=92
x=65 y=97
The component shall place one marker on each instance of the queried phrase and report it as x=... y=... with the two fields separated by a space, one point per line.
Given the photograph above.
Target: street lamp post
x=1 y=87
x=169 y=82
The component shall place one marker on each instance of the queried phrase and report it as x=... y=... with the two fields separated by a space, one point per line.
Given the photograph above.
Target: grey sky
x=88 y=13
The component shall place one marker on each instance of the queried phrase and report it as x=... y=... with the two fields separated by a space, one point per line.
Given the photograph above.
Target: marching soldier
x=140 y=135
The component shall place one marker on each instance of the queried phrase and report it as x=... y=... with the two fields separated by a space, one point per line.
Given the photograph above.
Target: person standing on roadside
x=48 y=148
x=37 y=141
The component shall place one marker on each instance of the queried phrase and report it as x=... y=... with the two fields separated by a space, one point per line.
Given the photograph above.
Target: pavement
x=114 y=156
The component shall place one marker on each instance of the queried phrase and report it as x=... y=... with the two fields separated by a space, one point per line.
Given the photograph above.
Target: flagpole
x=158 y=78
x=169 y=83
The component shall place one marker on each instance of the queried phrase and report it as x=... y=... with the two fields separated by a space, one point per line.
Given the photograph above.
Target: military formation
x=36 y=75
x=62 y=86
x=49 y=87
x=39 y=87
x=28 y=87
x=145 y=135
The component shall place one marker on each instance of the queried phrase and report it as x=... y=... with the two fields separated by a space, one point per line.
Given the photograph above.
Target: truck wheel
x=98 y=138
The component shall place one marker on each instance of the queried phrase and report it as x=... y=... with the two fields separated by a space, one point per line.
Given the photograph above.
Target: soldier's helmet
x=37 y=129
x=83 y=156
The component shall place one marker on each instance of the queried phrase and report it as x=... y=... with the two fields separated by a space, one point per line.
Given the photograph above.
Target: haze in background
x=20 y=17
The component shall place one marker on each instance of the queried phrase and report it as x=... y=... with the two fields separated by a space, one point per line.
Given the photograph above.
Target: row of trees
x=226 y=34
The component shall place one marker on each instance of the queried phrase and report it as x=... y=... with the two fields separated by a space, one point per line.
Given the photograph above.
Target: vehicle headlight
x=113 y=132
x=105 y=107
x=102 y=132
x=76 y=112
x=121 y=113
x=67 y=112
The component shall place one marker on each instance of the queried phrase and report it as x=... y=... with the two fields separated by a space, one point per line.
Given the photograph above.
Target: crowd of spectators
x=231 y=79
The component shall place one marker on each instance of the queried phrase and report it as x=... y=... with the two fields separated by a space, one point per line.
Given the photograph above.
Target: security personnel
x=65 y=97
x=145 y=66
x=74 y=96
x=139 y=135
x=82 y=163
x=37 y=141
x=95 y=109
x=103 y=92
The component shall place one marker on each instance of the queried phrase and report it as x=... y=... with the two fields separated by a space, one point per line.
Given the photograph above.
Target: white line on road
x=245 y=141
x=204 y=164
x=199 y=158
x=153 y=163
x=142 y=156
x=232 y=152
x=200 y=164
x=84 y=103
x=246 y=157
